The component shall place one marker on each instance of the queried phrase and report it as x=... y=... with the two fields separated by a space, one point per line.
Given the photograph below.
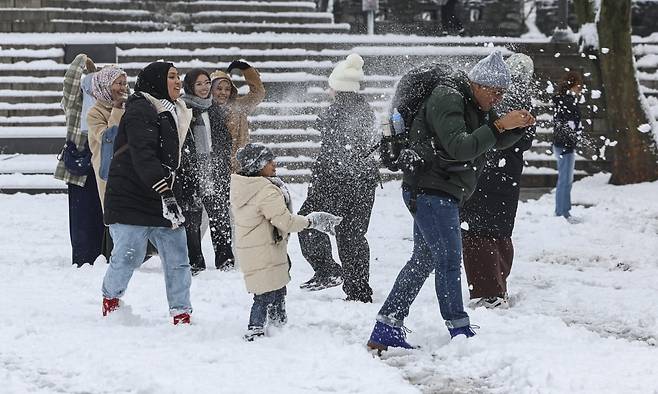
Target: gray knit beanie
x=253 y=158
x=491 y=71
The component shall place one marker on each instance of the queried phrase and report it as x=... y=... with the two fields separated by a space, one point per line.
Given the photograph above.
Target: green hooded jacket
x=450 y=130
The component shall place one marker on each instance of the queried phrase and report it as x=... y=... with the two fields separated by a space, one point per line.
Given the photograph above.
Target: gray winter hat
x=491 y=71
x=253 y=158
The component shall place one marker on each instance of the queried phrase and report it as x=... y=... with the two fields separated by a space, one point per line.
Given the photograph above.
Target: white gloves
x=171 y=210
x=324 y=222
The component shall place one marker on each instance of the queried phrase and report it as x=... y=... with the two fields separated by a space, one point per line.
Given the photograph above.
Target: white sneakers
x=491 y=302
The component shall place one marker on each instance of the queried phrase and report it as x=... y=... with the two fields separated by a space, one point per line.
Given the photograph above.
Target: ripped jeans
x=129 y=250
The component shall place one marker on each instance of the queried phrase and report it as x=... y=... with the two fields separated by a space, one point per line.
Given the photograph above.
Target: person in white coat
x=262 y=222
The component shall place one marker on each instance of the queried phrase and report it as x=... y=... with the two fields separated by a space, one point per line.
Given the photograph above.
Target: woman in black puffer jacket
x=141 y=199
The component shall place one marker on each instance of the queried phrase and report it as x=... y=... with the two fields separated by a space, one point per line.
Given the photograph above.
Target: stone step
x=189 y=7
x=254 y=16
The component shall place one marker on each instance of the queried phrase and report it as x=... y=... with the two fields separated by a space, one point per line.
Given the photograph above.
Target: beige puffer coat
x=100 y=117
x=258 y=207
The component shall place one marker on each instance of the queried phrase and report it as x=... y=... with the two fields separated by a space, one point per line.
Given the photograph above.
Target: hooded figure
x=491 y=210
x=343 y=182
x=141 y=199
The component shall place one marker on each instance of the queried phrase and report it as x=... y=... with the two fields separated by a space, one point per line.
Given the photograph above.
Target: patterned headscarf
x=101 y=84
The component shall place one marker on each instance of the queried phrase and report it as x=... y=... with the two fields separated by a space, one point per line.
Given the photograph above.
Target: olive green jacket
x=450 y=130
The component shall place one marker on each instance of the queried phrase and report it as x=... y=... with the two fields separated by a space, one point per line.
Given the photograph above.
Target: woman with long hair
x=567 y=130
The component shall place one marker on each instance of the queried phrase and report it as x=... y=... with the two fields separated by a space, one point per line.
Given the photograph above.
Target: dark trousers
x=85 y=221
x=488 y=263
x=353 y=200
x=216 y=203
x=449 y=20
x=217 y=207
x=193 y=233
x=271 y=304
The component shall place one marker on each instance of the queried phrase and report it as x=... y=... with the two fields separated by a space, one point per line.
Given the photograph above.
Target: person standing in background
x=230 y=131
x=74 y=166
x=567 y=130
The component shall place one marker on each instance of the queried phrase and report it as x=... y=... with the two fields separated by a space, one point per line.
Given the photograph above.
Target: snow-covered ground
x=583 y=320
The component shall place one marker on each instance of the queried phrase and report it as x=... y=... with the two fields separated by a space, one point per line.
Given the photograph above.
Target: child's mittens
x=324 y=222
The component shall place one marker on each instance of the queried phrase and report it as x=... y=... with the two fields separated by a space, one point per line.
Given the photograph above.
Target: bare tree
x=584 y=10
x=635 y=157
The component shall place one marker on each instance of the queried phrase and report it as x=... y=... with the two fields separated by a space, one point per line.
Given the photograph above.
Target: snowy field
x=584 y=316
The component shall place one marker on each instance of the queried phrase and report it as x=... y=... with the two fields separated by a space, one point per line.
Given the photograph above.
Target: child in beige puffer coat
x=262 y=222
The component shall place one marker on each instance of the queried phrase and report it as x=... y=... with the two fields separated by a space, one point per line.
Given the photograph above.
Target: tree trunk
x=584 y=10
x=634 y=159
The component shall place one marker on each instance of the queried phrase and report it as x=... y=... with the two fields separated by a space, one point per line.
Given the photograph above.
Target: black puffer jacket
x=347 y=132
x=151 y=159
x=566 y=122
x=491 y=210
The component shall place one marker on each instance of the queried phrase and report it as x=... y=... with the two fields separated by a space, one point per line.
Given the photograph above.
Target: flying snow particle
x=464 y=226
x=501 y=163
x=605 y=50
x=592 y=57
x=644 y=128
x=557 y=54
x=549 y=87
x=596 y=94
x=595 y=108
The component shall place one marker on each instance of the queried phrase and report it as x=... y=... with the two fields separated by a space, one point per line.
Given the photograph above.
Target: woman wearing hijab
x=195 y=176
x=109 y=87
x=230 y=131
x=140 y=198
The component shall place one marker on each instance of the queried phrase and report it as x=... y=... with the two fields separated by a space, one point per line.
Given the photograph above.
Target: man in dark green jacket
x=449 y=137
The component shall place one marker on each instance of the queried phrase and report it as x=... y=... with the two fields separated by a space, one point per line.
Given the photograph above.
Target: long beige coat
x=258 y=207
x=100 y=117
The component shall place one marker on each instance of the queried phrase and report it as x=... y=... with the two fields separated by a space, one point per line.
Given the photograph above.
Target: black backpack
x=410 y=93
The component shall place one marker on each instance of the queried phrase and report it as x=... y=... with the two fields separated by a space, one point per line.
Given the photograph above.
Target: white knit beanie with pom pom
x=347 y=74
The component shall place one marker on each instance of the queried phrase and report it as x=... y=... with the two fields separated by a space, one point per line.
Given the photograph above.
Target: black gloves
x=239 y=64
x=409 y=160
x=170 y=209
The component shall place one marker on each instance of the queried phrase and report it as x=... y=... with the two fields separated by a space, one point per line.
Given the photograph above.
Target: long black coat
x=491 y=210
x=150 y=161
x=346 y=128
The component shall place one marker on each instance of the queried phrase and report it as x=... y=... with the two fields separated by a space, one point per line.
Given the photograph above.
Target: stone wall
x=643 y=17
x=422 y=17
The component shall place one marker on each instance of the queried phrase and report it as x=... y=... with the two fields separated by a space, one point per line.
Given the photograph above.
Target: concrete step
x=258 y=16
x=188 y=7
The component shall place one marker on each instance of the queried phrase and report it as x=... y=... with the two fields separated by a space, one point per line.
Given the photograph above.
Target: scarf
x=200 y=130
x=278 y=182
x=101 y=83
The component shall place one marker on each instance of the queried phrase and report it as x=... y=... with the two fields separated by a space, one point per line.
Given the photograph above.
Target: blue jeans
x=129 y=251
x=272 y=303
x=566 y=163
x=437 y=247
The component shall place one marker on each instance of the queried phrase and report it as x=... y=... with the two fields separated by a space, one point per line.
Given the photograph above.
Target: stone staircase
x=294 y=68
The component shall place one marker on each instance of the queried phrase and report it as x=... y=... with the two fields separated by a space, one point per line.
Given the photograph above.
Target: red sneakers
x=110 y=305
x=183 y=318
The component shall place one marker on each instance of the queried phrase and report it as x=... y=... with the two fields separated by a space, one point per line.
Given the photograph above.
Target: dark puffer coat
x=566 y=122
x=346 y=127
x=146 y=166
x=491 y=210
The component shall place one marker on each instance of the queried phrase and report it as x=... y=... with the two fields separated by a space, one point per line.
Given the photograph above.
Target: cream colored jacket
x=100 y=118
x=257 y=208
